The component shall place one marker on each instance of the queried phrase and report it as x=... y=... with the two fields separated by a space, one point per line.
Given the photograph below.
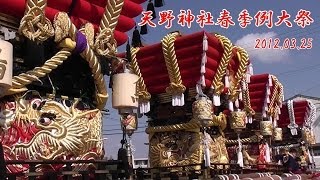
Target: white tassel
x=178 y=100
x=275 y=124
x=203 y=81
x=250 y=69
x=236 y=103
x=247 y=119
x=205 y=43
x=207 y=150
x=310 y=157
x=294 y=131
x=240 y=155
x=226 y=81
x=268 y=156
x=248 y=78
x=270 y=80
x=231 y=106
x=216 y=100
x=240 y=96
x=264 y=114
x=250 y=119
x=203 y=63
x=144 y=107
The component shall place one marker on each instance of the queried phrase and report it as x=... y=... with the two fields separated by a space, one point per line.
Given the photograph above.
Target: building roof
x=303 y=96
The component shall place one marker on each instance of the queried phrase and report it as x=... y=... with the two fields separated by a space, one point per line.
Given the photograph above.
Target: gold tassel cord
x=217 y=84
x=243 y=59
x=34 y=25
x=176 y=86
x=143 y=93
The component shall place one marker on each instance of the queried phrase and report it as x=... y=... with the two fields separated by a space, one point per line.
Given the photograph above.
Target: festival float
x=206 y=109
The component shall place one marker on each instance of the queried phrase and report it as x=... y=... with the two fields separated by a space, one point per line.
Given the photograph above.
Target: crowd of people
x=291 y=162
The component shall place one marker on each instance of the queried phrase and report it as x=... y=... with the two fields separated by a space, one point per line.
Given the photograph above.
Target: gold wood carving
x=218 y=150
x=176 y=148
x=176 y=86
x=55 y=130
x=238 y=120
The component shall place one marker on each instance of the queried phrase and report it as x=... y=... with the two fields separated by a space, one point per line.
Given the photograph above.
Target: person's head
x=293 y=152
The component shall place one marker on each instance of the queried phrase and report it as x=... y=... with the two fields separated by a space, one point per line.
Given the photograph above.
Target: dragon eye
x=45 y=121
x=35 y=103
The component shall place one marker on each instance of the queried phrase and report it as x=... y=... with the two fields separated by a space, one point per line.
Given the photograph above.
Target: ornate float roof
x=302 y=113
x=200 y=57
x=266 y=95
x=81 y=12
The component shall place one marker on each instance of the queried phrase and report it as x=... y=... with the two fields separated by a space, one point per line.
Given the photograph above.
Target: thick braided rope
x=246 y=98
x=291 y=114
x=312 y=113
x=34 y=25
x=143 y=93
x=193 y=124
x=251 y=139
x=105 y=44
x=176 y=86
x=35 y=3
x=63 y=21
x=243 y=59
x=111 y=15
x=28 y=77
x=217 y=84
x=275 y=97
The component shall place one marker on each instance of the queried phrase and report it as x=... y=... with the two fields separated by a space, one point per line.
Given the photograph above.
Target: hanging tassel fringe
x=178 y=100
x=216 y=100
x=204 y=60
x=158 y=3
x=240 y=154
x=268 y=155
x=231 y=106
x=144 y=29
x=136 y=38
x=150 y=7
x=144 y=107
x=207 y=150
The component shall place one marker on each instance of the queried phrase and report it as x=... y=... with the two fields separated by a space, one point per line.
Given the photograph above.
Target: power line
x=110 y=134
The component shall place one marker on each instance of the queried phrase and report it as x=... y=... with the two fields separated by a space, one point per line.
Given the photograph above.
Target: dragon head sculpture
x=46 y=129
